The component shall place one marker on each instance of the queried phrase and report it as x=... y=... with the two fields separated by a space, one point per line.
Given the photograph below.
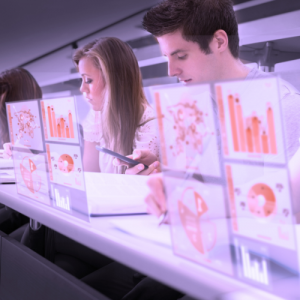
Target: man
x=200 y=39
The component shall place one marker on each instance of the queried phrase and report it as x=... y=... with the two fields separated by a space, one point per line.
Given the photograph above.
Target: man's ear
x=220 y=41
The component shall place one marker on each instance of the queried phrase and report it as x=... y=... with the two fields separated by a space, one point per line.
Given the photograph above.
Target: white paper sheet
x=145 y=227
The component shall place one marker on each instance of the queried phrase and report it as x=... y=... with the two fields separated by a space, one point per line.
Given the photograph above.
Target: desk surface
x=154 y=260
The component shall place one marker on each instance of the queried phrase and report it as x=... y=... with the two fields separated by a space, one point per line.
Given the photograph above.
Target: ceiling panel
x=32 y=28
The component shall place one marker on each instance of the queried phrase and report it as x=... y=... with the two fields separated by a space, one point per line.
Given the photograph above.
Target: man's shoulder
x=286 y=89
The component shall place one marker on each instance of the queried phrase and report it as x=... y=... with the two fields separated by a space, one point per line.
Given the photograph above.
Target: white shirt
x=145 y=137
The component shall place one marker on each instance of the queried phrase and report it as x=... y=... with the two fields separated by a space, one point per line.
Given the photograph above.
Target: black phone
x=119 y=156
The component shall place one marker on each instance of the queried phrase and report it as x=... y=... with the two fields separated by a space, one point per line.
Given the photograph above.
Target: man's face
x=186 y=60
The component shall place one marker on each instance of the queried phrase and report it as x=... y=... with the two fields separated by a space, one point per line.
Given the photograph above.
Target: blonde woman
x=120 y=118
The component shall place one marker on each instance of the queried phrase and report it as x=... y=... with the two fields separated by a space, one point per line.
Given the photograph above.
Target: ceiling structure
x=39 y=34
x=32 y=28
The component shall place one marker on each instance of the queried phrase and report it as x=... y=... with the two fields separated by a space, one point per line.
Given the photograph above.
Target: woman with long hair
x=15 y=84
x=121 y=118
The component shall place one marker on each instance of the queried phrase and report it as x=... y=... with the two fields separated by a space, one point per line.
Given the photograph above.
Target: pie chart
x=201 y=232
x=28 y=172
x=261 y=200
x=66 y=163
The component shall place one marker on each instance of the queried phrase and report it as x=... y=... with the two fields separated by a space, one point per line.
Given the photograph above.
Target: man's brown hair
x=198 y=20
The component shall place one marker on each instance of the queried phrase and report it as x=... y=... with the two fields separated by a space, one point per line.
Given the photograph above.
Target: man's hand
x=156 y=200
x=7 y=150
x=144 y=157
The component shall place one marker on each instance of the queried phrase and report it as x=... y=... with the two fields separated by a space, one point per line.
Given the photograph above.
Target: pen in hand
x=162 y=218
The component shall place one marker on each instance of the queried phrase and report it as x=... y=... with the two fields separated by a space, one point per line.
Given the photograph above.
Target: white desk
x=152 y=259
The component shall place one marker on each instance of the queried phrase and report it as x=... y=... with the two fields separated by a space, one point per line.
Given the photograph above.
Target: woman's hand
x=144 y=157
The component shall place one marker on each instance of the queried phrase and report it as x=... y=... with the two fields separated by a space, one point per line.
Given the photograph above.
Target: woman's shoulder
x=148 y=115
x=92 y=126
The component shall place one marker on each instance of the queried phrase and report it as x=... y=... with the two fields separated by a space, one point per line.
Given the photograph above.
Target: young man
x=200 y=39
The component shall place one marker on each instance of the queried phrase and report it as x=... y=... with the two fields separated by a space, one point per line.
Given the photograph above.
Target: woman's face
x=93 y=83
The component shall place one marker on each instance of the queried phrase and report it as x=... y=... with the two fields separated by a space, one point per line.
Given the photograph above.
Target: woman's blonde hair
x=125 y=100
x=15 y=84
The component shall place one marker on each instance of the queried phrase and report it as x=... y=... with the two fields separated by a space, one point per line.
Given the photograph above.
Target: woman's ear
x=219 y=42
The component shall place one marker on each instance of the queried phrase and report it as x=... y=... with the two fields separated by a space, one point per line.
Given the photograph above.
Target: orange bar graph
x=62 y=124
x=67 y=132
x=233 y=123
x=241 y=127
x=264 y=142
x=58 y=130
x=71 y=125
x=249 y=139
x=230 y=187
x=50 y=121
x=271 y=130
x=54 y=121
x=256 y=134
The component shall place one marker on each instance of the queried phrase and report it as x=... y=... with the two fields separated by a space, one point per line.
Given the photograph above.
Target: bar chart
x=254 y=268
x=59 y=120
x=252 y=134
x=250 y=120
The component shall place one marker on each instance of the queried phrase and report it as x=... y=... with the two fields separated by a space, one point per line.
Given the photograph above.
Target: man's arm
x=156 y=199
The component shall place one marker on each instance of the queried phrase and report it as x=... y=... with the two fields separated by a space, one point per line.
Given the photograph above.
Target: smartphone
x=119 y=156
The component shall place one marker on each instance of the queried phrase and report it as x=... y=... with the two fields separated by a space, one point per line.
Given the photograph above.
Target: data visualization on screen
x=250 y=120
x=199 y=225
x=187 y=129
x=60 y=120
x=65 y=165
x=260 y=204
x=25 y=125
x=31 y=175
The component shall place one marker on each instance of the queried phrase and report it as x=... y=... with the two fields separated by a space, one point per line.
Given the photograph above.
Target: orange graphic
x=231 y=105
x=230 y=187
x=222 y=118
x=59 y=126
x=65 y=163
x=44 y=119
x=31 y=179
x=253 y=134
x=26 y=122
x=49 y=161
x=201 y=232
x=261 y=200
x=10 y=124
x=190 y=126
x=160 y=117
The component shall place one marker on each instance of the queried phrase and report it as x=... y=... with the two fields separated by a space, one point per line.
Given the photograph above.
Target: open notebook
x=7 y=174
x=115 y=194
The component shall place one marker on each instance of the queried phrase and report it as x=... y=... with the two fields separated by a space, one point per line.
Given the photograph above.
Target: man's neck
x=233 y=68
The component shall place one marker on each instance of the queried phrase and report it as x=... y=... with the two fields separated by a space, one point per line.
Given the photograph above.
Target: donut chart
x=66 y=163
x=261 y=200
x=201 y=233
